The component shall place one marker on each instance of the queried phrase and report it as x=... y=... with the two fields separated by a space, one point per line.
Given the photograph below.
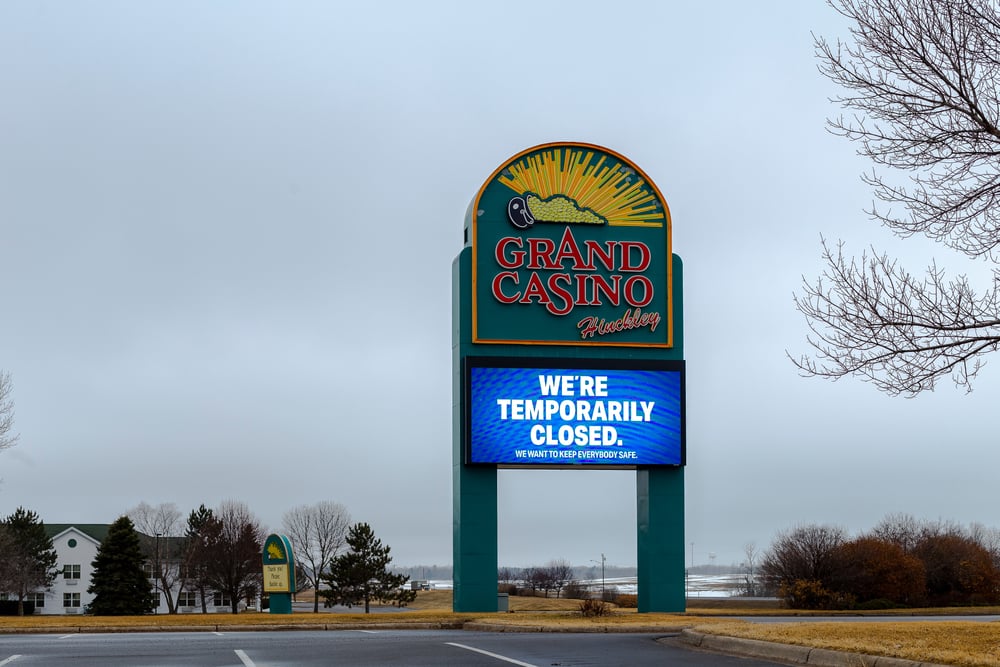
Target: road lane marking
x=492 y=655
x=9 y=660
x=369 y=632
x=244 y=658
x=68 y=636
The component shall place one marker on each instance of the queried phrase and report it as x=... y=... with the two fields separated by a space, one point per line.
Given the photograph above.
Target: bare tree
x=922 y=83
x=752 y=554
x=233 y=539
x=560 y=573
x=160 y=529
x=900 y=529
x=317 y=533
x=7 y=436
x=805 y=553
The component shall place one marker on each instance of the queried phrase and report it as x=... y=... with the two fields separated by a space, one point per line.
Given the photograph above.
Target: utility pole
x=156 y=575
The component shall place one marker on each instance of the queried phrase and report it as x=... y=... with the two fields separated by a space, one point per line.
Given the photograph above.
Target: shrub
x=811 y=594
x=627 y=601
x=591 y=608
x=9 y=608
x=872 y=569
x=575 y=590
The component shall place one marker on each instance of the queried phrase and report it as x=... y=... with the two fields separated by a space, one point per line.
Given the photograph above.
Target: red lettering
x=581 y=290
x=612 y=290
x=557 y=290
x=515 y=258
x=630 y=289
x=594 y=250
x=498 y=292
x=569 y=250
x=541 y=249
x=643 y=259
x=535 y=290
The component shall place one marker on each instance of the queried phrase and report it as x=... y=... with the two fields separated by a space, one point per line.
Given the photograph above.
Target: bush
x=627 y=601
x=574 y=590
x=9 y=608
x=510 y=589
x=592 y=608
x=811 y=594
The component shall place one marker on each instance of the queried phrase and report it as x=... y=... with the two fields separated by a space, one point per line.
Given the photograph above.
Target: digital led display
x=573 y=412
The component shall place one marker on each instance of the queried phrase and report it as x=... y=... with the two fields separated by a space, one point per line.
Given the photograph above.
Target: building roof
x=98 y=531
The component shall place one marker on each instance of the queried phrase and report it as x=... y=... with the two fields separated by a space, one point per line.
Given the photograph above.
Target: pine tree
x=30 y=557
x=361 y=574
x=196 y=552
x=119 y=583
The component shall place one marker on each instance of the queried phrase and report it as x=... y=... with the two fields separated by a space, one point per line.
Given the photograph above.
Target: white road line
x=369 y=632
x=217 y=633
x=492 y=655
x=9 y=660
x=68 y=636
x=244 y=658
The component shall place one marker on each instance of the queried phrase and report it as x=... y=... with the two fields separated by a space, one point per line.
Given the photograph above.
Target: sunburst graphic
x=609 y=188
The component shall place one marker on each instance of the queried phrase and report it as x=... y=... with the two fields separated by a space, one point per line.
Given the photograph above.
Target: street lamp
x=603 y=559
x=156 y=575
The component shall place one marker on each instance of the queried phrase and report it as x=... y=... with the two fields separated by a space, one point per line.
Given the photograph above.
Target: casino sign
x=570 y=244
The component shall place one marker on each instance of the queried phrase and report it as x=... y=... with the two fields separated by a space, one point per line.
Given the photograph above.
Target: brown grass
x=960 y=643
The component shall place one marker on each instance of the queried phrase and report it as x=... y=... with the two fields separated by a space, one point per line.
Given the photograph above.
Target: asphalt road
x=353 y=647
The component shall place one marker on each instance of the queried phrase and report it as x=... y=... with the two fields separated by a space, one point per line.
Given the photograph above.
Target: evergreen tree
x=119 y=584
x=196 y=555
x=30 y=558
x=361 y=574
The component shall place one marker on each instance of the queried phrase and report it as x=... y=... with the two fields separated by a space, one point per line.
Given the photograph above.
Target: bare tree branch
x=921 y=79
x=7 y=436
x=922 y=83
x=871 y=318
x=317 y=532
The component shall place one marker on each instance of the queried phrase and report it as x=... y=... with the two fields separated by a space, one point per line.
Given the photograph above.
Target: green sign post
x=279 y=573
x=567 y=352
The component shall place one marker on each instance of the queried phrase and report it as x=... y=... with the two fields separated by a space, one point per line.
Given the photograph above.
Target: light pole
x=602 y=573
x=156 y=575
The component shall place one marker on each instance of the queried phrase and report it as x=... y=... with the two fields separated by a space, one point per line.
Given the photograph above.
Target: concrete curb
x=798 y=655
x=478 y=626
x=72 y=630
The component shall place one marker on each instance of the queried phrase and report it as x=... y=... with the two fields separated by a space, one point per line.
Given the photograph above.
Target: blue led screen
x=581 y=416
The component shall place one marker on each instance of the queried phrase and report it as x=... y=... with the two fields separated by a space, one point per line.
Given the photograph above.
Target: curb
x=71 y=630
x=477 y=626
x=797 y=655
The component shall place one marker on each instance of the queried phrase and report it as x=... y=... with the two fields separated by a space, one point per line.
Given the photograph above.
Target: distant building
x=76 y=546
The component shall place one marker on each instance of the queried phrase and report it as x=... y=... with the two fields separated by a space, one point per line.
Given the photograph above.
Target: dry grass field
x=960 y=643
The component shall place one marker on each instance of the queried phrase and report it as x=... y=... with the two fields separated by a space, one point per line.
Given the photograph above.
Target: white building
x=76 y=546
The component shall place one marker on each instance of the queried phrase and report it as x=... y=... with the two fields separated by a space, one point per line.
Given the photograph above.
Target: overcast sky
x=226 y=236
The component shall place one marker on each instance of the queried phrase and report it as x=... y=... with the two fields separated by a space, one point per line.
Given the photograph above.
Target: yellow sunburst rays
x=614 y=191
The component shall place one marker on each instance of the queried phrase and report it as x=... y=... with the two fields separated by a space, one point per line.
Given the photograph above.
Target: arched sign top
x=571 y=246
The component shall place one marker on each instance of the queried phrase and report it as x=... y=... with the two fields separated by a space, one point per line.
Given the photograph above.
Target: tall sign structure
x=567 y=352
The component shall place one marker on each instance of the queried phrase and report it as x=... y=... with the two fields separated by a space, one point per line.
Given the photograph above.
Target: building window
x=187 y=599
x=154 y=599
x=37 y=598
x=222 y=600
x=71 y=599
x=147 y=567
x=71 y=572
